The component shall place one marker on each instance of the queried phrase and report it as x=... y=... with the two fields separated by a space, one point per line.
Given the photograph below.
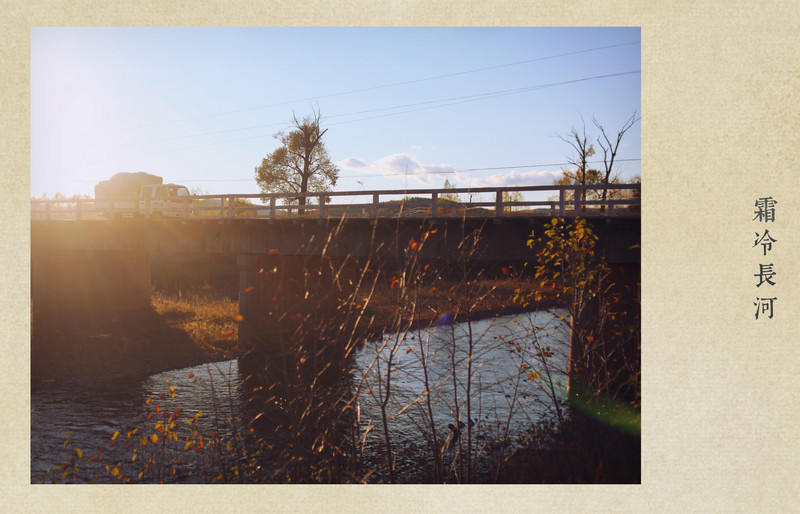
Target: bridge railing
x=498 y=203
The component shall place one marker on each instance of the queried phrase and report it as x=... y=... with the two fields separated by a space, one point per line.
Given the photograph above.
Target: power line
x=442 y=103
x=428 y=172
x=181 y=181
x=481 y=169
x=393 y=84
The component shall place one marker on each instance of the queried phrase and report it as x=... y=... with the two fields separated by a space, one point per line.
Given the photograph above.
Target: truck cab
x=165 y=200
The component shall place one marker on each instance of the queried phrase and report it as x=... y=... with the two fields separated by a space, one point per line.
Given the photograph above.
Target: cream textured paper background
x=720 y=113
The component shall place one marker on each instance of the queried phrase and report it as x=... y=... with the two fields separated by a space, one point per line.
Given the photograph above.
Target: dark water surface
x=503 y=400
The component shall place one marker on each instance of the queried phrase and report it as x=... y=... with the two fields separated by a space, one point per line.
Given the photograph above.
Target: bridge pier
x=290 y=323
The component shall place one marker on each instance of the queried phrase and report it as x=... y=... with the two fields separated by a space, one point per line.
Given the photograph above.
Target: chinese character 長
x=765 y=274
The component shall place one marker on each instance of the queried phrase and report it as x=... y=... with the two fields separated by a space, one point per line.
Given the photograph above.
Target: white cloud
x=513 y=178
x=402 y=165
x=352 y=163
x=398 y=165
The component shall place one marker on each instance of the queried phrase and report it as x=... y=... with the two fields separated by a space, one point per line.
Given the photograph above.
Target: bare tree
x=583 y=150
x=610 y=149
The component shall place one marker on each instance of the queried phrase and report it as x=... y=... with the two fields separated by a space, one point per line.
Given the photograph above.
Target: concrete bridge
x=79 y=263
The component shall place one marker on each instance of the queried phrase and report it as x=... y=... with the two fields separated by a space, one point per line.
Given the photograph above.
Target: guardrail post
x=562 y=199
x=230 y=207
x=376 y=199
x=498 y=206
x=271 y=208
x=434 y=205
x=577 y=201
x=47 y=211
x=321 y=207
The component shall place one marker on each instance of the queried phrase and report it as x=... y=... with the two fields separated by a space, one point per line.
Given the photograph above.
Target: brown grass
x=207 y=319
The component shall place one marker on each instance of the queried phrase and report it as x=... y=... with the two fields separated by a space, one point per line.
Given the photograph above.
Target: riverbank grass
x=209 y=320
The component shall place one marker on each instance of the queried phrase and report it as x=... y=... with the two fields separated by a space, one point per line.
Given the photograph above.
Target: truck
x=141 y=195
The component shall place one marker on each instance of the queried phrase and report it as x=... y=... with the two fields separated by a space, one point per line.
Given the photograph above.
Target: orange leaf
x=408 y=351
x=274 y=251
x=153 y=438
x=208 y=286
x=190 y=375
x=249 y=289
x=238 y=317
x=394 y=282
x=452 y=289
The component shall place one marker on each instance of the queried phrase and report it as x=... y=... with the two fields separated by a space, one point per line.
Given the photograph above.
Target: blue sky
x=404 y=107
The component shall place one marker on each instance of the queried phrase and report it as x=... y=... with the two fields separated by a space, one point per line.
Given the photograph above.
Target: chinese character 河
x=764 y=305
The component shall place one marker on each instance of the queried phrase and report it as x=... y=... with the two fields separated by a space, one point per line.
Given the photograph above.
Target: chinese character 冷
x=766 y=209
x=764 y=305
x=766 y=241
x=765 y=274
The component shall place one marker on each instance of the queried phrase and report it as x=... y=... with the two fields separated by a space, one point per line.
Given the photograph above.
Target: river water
x=487 y=368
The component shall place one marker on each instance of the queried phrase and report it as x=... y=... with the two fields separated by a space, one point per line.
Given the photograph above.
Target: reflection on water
x=88 y=415
x=433 y=368
x=461 y=368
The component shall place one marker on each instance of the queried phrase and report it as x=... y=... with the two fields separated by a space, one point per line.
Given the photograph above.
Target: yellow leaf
x=153 y=438
x=143 y=441
x=115 y=471
x=79 y=452
x=238 y=317
x=114 y=437
x=536 y=376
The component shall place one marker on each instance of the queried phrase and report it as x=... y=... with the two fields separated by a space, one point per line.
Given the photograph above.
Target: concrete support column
x=285 y=300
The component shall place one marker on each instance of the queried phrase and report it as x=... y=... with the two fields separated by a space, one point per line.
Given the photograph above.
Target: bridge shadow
x=90 y=346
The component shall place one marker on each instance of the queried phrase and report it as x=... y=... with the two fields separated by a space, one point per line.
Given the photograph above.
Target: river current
x=491 y=369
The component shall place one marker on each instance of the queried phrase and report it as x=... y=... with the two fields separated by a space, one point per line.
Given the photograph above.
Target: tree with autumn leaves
x=301 y=164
